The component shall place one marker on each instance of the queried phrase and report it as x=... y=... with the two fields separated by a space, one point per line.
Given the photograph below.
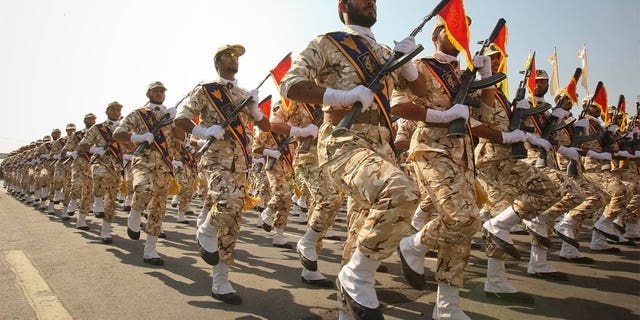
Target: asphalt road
x=91 y=280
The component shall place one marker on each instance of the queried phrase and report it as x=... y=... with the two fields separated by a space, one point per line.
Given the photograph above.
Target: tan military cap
x=238 y=49
x=46 y=139
x=491 y=50
x=70 y=126
x=440 y=23
x=612 y=109
x=114 y=104
x=55 y=130
x=156 y=84
x=541 y=74
x=89 y=115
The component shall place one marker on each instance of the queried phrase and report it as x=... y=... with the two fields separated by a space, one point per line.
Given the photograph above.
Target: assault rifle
x=578 y=137
x=163 y=121
x=272 y=161
x=306 y=142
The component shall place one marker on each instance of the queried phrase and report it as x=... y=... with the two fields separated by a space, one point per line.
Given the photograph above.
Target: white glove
x=201 y=142
x=257 y=160
x=559 y=113
x=623 y=154
x=408 y=70
x=605 y=156
x=636 y=154
x=581 y=123
x=483 y=63
x=127 y=156
x=612 y=128
x=513 y=136
x=635 y=130
x=172 y=112
x=310 y=130
x=57 y=156
x=272 y=153
x=45 y=156
x=215 y=131
x=97 y=150
x=252 y=106
x=571 y=152
x=458 y=111
x=73 y=154
x=523 y=104
x=348 y=97
x=176 y=163
x=534 y=139
x=140 y=138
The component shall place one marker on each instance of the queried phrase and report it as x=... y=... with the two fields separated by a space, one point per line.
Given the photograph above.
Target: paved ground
x=96 y=281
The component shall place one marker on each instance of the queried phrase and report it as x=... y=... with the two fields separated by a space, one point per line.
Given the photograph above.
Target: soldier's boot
x=71 y=208
x=356 y=287
x=121 y=197
x=448 y=303
x=150 y=254
x=331 y=234
x=127 y=202
x=412 y=253
x=295 y=210
x=43 y=198
x=306 y=248
x=187 y=208
x=538 y=266
x=600 y=244
x=98 y=207
x=207 y=238
x=56 y=196
x=280 y=241
x=202 y=217
x=50 y=209
x=570 y=253
x=605 y=226
x=565 y=229
x=175 y=200
x=303 y=218
x=302 y=203
x=267 y=219
x=105 y=233
x=497 y=281
x=419 y=216
x=133 y=224
x=315 y=278
x=537 y=227
x=259 y=222
x=632 y=230
x=181 y=218
x=499 y=226
x=221 y=288
x=81 y=223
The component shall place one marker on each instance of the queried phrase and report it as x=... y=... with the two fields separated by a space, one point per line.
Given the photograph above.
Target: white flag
x=554 y=86
x=584 y=80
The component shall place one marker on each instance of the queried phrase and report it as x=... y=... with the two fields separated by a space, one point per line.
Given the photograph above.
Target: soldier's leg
x=280 y=202
x=143 y=184
x=112 y=182
x=157 y=208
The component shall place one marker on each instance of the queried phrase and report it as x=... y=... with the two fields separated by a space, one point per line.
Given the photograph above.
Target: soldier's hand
x=570 y=152
x=560 y=113
x=172 y=112
x=457 y=111
x=73 y=154
x=176 y=163
x=97 y=150
x=127 y=156
x=140 y=138
x=405 y=45
x=534 y=139
x=360 y=93
x=310 y=130
x=523 y=104
x=483 y=63
x=513 y=136
x=272 y=153
x=257 y=160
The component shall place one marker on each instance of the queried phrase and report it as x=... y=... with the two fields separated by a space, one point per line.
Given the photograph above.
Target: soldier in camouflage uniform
x=62 y=175
x=185 y=171
x=42 y=169
x=49 y=165
x=151 y=169
x=106 y=167
x=81 y=181
x=225 y=163
x=361 y=163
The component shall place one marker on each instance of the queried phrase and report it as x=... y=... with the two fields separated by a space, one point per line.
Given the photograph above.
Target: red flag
x=501 y=43
x=570 y=90
x=278 y=72
x=196 y=120
x=622 y=111
x=457 y=27
x=265 y=106
x=600 y=100
x=531 y=70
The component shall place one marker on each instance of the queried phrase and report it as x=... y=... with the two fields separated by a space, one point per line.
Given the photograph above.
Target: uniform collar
x=446 y=58
x=361 y=31
x=230 y=84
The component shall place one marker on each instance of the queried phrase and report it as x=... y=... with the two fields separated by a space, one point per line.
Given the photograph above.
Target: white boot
x=598 y=241
x=538 y=261
x=133 y=221
x=105 y=233
x=267 y=218
x=448 y=303
x=302 y=218
x=220 y=283
x=566 y=226
x=501 y=224
x=259 y=222
x=64 y=215
x=497 y=277
x=358 y=280
x=150 y=251
x=279 y=239
x=306 y=247
x=81 y=222
x=98 y=206
x=295 y=210
x=331 y=234
x=207 y=236
x=570 y=252
x=175 y=201
x=187 y=208
x=202 y=217
x=418 y=218
x=485 y=215
x=302 y=202
x=181 y=218
x=51 y=209
x=345 y=315
x=632 y=230
x=56 y=196
x=71 y=208
x=413 y=252
x=606 y=227
x=128 y=199
x=312 y=275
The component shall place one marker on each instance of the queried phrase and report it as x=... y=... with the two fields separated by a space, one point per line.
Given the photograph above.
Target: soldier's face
x=360 y=12
x=443 y=44
x=56 y=135
x=495 y=62
x=542 y=86
x=88 y=122
x=70 y=131
x=156 y=95
x=227 y=63
x=114 y=113
x=594 y=111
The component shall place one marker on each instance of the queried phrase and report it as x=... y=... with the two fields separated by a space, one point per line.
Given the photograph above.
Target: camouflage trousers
x=81 y=184
x=150 y=188
x=106 y=183
x=324 y=200
x=226 y=193
x=572 y=196
x=280 y=179
x=384 y=197
x=186 y=178
x=630 y=180
x=613 y=187
x=128 y=178
x=595 y=199
x=448 y=179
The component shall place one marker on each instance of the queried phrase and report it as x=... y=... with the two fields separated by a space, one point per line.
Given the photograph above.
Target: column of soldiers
x=427 y=201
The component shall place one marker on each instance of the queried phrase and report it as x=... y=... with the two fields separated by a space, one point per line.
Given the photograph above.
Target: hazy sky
x=62 y=59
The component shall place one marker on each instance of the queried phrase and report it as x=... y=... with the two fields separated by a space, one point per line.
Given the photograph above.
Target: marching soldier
x=151 y=169
x=105 y=168
x=225 y=163
x=55 y=148
x=185 y=171
x=361 y=163
x=62 y=176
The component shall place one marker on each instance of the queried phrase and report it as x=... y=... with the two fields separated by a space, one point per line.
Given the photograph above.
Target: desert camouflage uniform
x=186 y=177
x=81 y=180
